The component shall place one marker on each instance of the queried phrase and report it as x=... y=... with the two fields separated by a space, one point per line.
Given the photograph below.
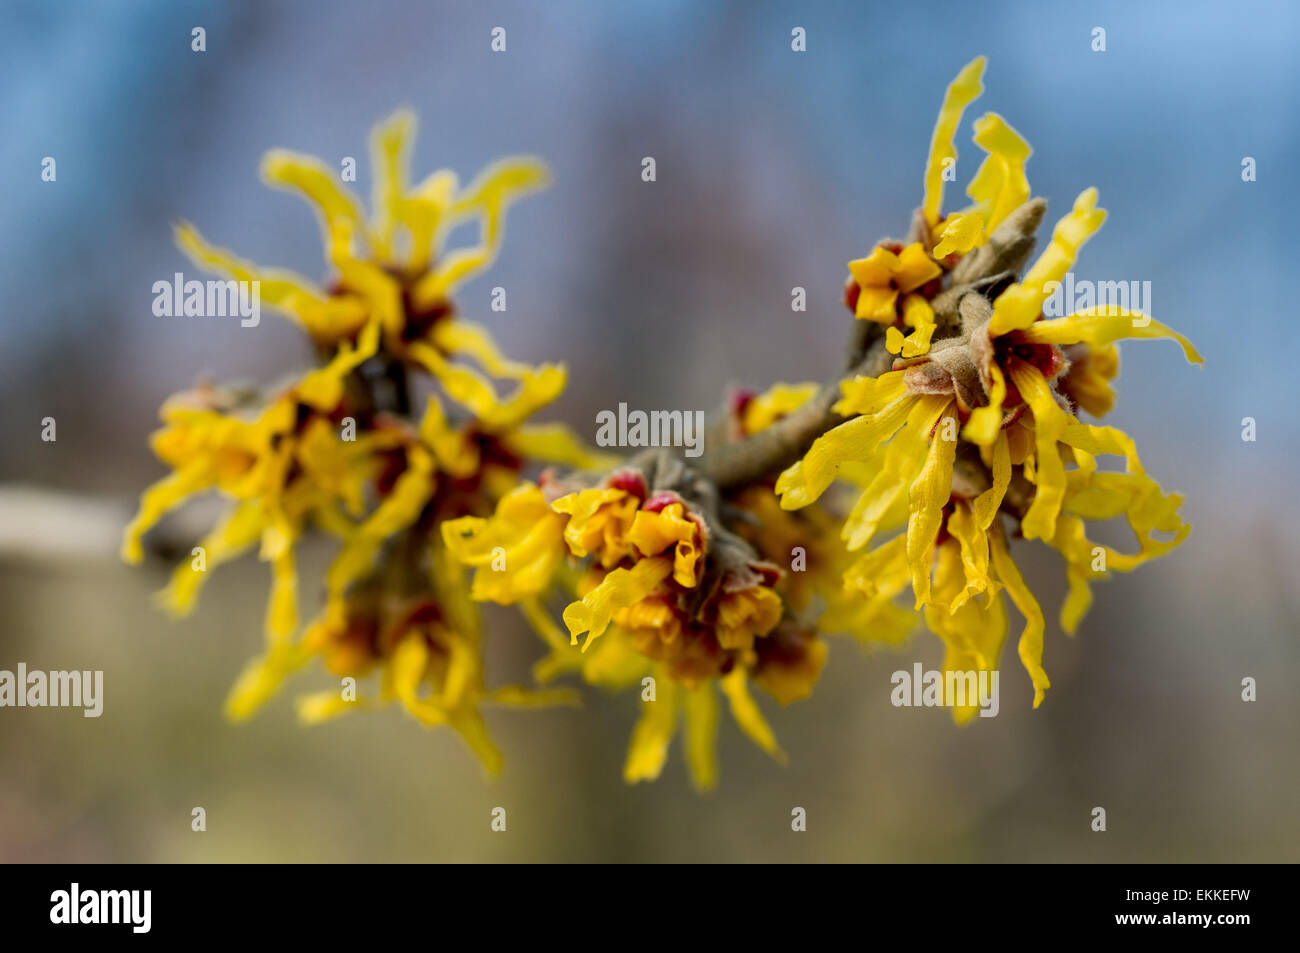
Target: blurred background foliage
x=774 y=169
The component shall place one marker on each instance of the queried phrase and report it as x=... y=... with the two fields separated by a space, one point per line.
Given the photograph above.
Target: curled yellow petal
x=854 y=441
x=237 y=532
x=985 y=423
x=747 y=613
x=316 y=181
x=166 y=494
x=487 y=198
x=903 y=460
x=1050 y=423
x=1021 y=304
x=960 y=233
x=999 y=186
x=987 y=503
x=1104 y=325
x=870 y=395
x=327 y=318
x=1031 y=639
x=652 y=533
x=619 y=589
x=516 y=552
x=963 y=91
x=536 y=389
x=928 y=496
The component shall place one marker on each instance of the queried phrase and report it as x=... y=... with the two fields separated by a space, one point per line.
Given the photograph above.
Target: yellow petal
x=747 y=613
x=652 y=533
x=469 y=724
x=963 y=90
x=974 y=545
x=870 y=395
x=282 y=608
x=915 y=268
x=260 y=680
x=876 y=270
x=316 y=181
x=765 y=409
x=1102 y=326
x=903 y=461
x=463 y=385
x=855 y=440
x=457 y=455
x=928 y=496
x=985 y=423
x=1021 y=304
x=399 y=510
x=487 y=198
x=648 y=749
x=619 y=589
x=318 y=707
x=323 y=387
x=389 y=147
x=747 y=713
x=1050 y=423
x=237 y=532
x=516 y=552
x=557 y=443
x=474 y=340
x=877 y=303
x=1031 y=639
x=960 y=233
x=166 y=494
x=987 y=503
x=700 y=712
x=1000 y=186
x=326 y=318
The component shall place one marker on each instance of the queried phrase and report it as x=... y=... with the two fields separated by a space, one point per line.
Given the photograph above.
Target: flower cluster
x=668 y=594
x=955 y=429
x=974 y=427
x=338 y=449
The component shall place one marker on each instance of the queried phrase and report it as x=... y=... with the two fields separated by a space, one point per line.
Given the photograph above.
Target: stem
x=776 y=447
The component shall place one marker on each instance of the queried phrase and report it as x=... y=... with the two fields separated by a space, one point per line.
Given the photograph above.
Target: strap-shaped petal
x=962 y=91
x=1021 y=304
x=1104 y=325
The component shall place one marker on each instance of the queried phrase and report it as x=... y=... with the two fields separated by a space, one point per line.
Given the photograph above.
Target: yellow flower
x=338 y=451
x=654 y=531
x=649 y=616
x=427 y=667
x=746 y=613
x=286 y=465
x=393 y=273
x=980 y=424
x=758 y=411
x=599 y=521
x=790 y=660
x=515 y=552
x=884 y=274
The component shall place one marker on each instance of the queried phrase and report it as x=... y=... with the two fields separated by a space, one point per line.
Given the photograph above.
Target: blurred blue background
x=774 y=169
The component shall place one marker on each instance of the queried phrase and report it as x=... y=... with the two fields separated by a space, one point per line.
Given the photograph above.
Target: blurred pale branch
x=43 y=524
